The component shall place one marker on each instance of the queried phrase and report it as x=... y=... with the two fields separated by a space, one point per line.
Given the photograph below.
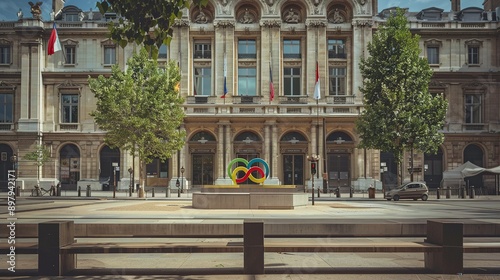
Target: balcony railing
x=334 y=54
x=246 y=99
x=201 y=99
x=68 y=127
x=293 y=99
x=340 y=99
x=6 y=126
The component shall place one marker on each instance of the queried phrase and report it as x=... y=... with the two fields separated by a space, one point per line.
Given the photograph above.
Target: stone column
x=31 y=78
x=359 y=50
x=275 y=154
x=270 y=57
x=224 y=49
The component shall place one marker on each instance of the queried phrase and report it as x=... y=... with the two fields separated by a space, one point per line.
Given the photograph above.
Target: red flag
x=54 y=44
x=271 y=86
x=317 y=94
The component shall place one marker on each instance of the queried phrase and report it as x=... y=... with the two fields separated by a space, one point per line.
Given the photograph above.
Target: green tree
x=40 y=156
x=147 y=23
x=140 y=109
x=400 y=114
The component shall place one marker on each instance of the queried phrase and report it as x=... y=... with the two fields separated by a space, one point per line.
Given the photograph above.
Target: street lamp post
x=314 y=160
x=131 y=185
x=182 y=179
x=178 y=184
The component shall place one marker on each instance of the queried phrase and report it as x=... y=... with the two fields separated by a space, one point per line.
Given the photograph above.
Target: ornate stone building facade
x=262 y=57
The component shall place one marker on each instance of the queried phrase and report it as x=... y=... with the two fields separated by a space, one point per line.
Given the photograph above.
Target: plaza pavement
x=125 y=209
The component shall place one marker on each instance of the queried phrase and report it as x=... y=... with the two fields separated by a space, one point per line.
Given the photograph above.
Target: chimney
x=455 y=5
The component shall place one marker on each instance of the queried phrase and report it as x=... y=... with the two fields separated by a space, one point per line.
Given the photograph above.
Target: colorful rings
x=248 y=169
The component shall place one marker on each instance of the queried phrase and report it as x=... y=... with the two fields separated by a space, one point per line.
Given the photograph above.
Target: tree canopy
x=145 y=22
x=400 y=113
x=140 y=108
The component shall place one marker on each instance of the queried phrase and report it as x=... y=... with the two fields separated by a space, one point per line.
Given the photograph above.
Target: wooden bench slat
x=21 y=248
x=365 y=247
x=482 y=247
x=130 y=247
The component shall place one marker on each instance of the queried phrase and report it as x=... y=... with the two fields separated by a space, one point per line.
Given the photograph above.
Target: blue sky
x=9 y=8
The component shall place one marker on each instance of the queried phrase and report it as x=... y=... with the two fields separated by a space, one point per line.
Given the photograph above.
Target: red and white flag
x=317 y=94
x=54 y=44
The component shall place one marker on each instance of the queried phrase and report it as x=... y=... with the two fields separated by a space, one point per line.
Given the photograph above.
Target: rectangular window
x=337 y=81
x=71 y=17
x=109 y=55
x=291 y=81
x=70 y=52
x=4 y=54
x=247 y=49
x=6 y=108
x=157 y=169
x=473 y=55
x=202 y=50
x=163 y=52
x=433 y=55
x=336 y=48
x=291 y=49
x=202 y=81
x=473 y=108
x=247 y=81
x=69 y=108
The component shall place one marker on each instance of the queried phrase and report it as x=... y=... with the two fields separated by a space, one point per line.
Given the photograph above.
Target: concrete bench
x=56 y=247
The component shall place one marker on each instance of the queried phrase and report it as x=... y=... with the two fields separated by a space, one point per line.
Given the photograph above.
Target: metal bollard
x=350 y=192
x=18 y=190
x=472 y=193
x=130 y=190
x=178 y=192
x=167 y=192
x=88 y=191
x=462 y=192
x=337 y=192
x=438 y=195
x=448 y=192
x=79 y=191
x=318 y=192
x=58 y=190
x=153 y=192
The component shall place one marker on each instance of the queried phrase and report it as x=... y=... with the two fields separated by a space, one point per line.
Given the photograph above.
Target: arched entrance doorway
x=339 y=145
x=433 y=169
x=69 y=167
x=109 y=159
x=203 y=146
x=6 y=164
x=474 y=154
x=247 y=145
x=294 y=149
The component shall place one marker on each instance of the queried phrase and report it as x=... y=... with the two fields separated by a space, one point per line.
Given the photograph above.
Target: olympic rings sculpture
x=248 y=169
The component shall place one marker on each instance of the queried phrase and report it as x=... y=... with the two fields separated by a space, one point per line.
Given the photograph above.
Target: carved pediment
x=108 y=42
x=69 y=42
x=433 y=42
x=6 y=87
x=474 y=42
x=69 y=85
x=475 y=85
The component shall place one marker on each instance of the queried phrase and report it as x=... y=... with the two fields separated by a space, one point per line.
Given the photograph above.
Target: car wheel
x=396 y=198
x=424 y=197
